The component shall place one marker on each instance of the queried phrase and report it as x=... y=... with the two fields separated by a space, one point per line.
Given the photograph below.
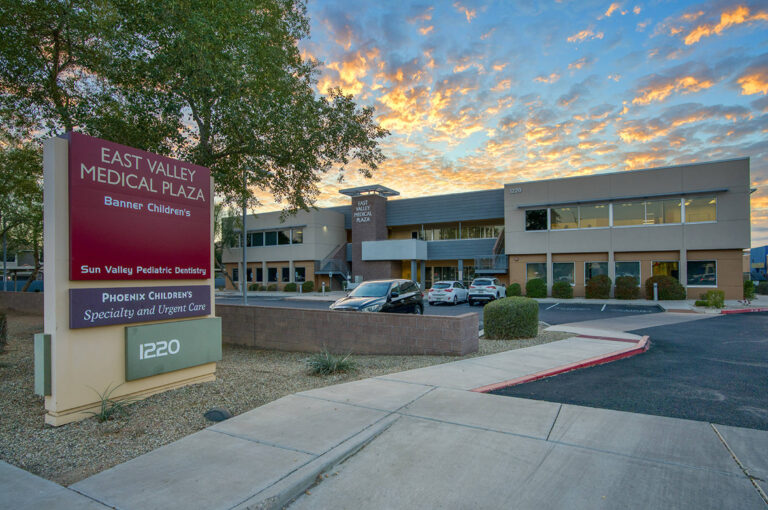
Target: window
x=445 y=273
x=286 y=274
x=259 y=274
x=297 y=236
x=628 y=213
x=481 y=231
x=536 y=270
x=670 y=268
x=628 y=269
x=593 y=269
x=593 y=216
x=562 y=272
x=249 y=274
x=658 y=212
x=235 y=274
x=256 y=239
x=702 y=273
x=564 y=217
x=272 y=274
x=700 y=209
x=469 y=275
x=536 y=219
x=301 y=273
x=283 y=237
x=270 y=238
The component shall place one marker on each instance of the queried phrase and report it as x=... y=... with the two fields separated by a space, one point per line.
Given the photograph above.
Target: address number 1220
x=159 y=348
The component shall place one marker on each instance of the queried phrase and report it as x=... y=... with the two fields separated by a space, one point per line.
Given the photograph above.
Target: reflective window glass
x=628 y=269
x=658 y=212
x=591 y=216
x=628 y=213
x=564 y=217
x=272 y=274
x=702 y=272
x=286 y=274
x=270 y=238
x=536 y=219
x=700 y=209
x=668 y=268
x=283 y=237
x=235 y=275
x=562 y=272
x=536 y=270
x=259 y=274
x=301 y=273
x=297 y=236
x=594 y=268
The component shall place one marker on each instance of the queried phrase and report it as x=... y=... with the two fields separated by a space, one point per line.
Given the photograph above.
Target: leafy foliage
x=289 y=287
x=512 y=317
x=669 y=288
x=762 y=288
x=308 y=286
x=713 y=298
x=110 y=408
x=627 y=287
x=272 y=287
x=325 y=363
x=598 y=287
x=514 y=290
x=536 y=288
x=749 y=289
x=562 y=290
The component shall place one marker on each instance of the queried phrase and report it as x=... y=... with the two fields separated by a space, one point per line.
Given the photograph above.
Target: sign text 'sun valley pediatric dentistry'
x=134 y=215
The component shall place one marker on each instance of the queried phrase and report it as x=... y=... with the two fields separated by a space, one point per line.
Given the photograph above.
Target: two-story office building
x=688 y=221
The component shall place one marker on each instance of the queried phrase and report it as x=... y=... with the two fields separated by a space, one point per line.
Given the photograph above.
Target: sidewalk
x=422 y=438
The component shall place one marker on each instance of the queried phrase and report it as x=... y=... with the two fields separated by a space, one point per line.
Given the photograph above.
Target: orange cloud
x=584 y=35
x=637 y=9
x=349 y=72
x=499 y=67
x=469 y=13
x=635 y=160
x=502 y=85
x=662 y=89
x=754 y=81
x=615 y=6
x=552 y=78
x=426 y=30
x=728 y=18
x=578 y=64
x=487 y=34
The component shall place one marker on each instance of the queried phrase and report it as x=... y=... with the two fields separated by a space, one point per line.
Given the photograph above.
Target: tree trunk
x=36 y=270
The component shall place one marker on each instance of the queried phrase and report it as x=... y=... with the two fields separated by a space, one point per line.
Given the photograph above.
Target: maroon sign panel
x=134 y=215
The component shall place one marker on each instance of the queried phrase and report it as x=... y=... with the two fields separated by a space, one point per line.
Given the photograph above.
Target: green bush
x=713 y=298
x=325 y=363
x=3 y=331
x=701 y=302
x=512 y=317
x=514 y=290
x=254 y=286
x=562 y=290
x=762 y=288
x=536 y=288
x=289 y=287
x=272 y=287
x=669 y=288
x=627 y=288
x=308 y=286
x=749 y=289
x=598 y=287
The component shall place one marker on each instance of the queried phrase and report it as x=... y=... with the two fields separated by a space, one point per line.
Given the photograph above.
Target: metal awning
x=373 y=189
x=626 y=197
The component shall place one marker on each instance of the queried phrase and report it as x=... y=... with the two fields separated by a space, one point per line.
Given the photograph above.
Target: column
x=460 y=276
x=414 y=276
x=423 y=274
x=549 y=273
x=683 y=265
x=611 y=270
x=291 y=272
x=264 y=272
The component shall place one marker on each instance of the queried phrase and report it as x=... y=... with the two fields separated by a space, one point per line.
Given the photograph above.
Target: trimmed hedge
x=669 y=288
x=308 y=286
x=254 y=286
x=627 y=287
x=512 y=317
x=514 y=290
x=762 y=288
x=272 y=287
x=562 y=290
x=749 y=289
x=536 y=288
x=289 y=287
x=713 y=299
x=598 y=287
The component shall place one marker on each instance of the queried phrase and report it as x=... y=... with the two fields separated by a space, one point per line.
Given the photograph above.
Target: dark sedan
x=393 y=296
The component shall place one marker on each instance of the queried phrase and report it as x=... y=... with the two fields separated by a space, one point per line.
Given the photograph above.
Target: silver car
x=486 y=290
x=450 y=291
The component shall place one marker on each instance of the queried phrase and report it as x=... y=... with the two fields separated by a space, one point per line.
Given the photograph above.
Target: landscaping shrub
x=325 y=363
x=749 y=289
x=514 y=290
x=254 y=286
x=598 y=287
x=512 y=317
x=272 y=287
x=712 y=299
x=627 y=288
x=289 y=287
x=762 y=288
x=536 y=288
x=308 y=286
x=261 y=287
x=562 y=290
x=669 y=288
x=3 y=331
x=701 y=302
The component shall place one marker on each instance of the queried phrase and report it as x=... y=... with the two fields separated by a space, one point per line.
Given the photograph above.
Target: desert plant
x=762 y=288
x=598 y=287
x=110 y=408
x=308 y=286
x=514 y=290
x=701 y=302
x=326 y=363
x=713 y=298
x=562 y=290
x=749 y=289
x=3 y=331
x=272 y=287
x=536 y=288
x=512 y=317
x=627 y=288
x=289 y=287
x=669 y=288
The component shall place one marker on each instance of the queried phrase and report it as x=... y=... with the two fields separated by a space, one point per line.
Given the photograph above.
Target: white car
x=447 y=292
x=486 y=289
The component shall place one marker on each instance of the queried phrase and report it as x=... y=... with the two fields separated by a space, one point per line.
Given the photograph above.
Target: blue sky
x=478 y=94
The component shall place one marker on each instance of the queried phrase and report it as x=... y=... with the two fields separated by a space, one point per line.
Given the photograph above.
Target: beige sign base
x=86 y=362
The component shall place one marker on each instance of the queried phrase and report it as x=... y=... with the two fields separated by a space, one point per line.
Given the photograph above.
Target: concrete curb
x=638 y=348
x=743 y=310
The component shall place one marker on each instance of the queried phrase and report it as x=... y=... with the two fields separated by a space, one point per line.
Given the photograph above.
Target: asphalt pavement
x=713 y=370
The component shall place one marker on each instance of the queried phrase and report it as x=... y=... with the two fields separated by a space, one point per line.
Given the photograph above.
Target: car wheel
x=431 y=303
x=455 y=300
x=418 y=310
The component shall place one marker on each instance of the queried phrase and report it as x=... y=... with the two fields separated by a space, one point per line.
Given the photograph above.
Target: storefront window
x=564 y=217
x=286 y=274
x=536 y=219
x=702 y=273
x=536 y=270
x=469 y=275
x=593 y=216
x=628 y=269
x=700 y=209
x=666 y=268
x=249 y=274
x=301 y=273
x=593 y=269
x=259 y=274
x=628 y=213
x=481 y=231
x=272 y=274
x=235 y=275
x=562 y=272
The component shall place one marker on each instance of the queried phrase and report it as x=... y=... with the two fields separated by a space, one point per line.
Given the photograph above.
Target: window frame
x=270 y=271
x=639 y=270
x=573 y=272
x=684 y=213
x=299 y=272
x=688 y=274
x=667 y=261
x=535 y=278
x=546 y=220
x=607 y=268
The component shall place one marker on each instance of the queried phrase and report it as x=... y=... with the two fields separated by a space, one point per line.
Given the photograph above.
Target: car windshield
x=371 y=289
x=483 y=282
x=442 y=285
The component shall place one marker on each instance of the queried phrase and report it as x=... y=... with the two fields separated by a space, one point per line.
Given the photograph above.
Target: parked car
x=485 y=289
x=393 y=296
x=452 y=292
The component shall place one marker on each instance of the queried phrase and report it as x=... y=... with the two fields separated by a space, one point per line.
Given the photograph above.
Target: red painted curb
x=743 y=310
x=609 y=338
x=640 y=347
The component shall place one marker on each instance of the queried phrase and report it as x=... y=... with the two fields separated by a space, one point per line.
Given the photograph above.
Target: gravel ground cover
x=246 y=378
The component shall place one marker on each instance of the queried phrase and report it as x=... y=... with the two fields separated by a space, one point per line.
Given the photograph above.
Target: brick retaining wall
x=24 y=302
x=292 y=329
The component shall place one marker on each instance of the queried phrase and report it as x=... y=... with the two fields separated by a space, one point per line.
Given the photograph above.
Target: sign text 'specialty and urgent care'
x=362 y=212
x=134 y=215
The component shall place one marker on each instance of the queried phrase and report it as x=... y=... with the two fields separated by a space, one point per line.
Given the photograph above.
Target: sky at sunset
x=478 y=94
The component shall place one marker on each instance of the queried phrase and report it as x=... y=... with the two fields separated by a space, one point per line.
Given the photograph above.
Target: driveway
x=714 y=370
